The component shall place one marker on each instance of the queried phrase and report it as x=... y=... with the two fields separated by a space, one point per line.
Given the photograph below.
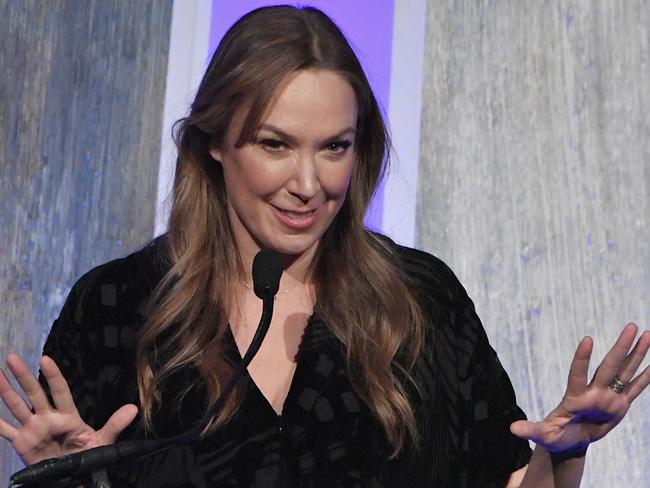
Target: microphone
x=267 y=271
x=83 y=462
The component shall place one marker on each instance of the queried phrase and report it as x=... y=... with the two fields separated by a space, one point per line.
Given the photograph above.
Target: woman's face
x=285 y=187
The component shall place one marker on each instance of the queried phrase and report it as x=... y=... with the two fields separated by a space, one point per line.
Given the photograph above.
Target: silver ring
x=617 y=385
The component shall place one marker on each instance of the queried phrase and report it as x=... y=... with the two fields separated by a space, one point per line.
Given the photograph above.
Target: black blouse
x=326 y=436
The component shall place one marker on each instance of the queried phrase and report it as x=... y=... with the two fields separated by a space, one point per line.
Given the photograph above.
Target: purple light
x=368 y=25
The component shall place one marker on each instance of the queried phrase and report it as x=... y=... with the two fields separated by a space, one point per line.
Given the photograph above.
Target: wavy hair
x=187 y=319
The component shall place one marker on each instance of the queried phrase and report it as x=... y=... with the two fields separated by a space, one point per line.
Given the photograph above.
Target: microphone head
x=267 y=270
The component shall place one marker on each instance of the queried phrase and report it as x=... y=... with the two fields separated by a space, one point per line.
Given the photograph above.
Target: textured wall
x=81 y=95
x=534 y=187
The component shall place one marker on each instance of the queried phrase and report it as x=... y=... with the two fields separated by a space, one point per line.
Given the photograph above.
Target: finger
x=119 y=421
x=635 y=358
x=7 y=430
x=13 y=400
x=28 y=383
x=579 y=370
x=58 y=386
x=637 y=385
x=525 y=429
x=613 y=361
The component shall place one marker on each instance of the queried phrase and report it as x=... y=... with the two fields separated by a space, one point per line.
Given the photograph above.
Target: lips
x=296 y=215
x=295 y=219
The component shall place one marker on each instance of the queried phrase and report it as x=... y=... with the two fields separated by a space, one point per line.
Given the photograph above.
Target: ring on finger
x=617 y=385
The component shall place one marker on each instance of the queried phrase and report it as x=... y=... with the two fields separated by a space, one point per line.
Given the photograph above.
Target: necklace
x=250 y=288
x=304 y=290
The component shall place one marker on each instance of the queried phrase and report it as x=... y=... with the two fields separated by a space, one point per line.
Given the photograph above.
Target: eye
x=337 y=147
x=272 y=145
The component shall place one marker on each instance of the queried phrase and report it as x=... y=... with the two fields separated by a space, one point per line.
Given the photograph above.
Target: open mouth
x=296 y=215
x=295 y=219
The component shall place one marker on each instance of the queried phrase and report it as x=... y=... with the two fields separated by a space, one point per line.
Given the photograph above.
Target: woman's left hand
x=589 y=411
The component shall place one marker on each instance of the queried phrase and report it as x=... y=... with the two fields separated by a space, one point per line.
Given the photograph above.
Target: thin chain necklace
x=280 y=292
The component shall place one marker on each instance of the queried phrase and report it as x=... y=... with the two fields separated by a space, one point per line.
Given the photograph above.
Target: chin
x=295 y=246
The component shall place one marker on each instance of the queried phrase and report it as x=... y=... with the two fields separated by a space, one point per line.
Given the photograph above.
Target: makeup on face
x=287 y=184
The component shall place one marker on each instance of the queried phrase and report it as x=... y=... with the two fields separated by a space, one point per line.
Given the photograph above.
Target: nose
x=304 y=183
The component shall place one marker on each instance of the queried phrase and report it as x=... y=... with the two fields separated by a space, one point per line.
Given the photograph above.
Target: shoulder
x=465 y=392
x=121 y=280
x=455 y=337
x=111 y=296
x=93 y=339
x=142 y=268
x=433 y=282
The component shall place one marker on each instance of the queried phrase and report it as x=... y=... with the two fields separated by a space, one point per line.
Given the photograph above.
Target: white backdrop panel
x=534 y=180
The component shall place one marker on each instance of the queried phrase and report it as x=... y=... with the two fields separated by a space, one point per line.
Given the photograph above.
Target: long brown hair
x=353 y=267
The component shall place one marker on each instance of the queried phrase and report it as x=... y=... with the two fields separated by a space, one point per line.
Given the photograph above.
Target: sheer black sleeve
x=467 y=402
x=492 y=452
x=93 y=339
x=72 y=344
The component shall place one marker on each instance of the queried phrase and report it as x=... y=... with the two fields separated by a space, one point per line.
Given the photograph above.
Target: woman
x=375 y=370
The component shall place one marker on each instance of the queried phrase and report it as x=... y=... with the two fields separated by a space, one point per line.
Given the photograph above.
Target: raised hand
x=51 y=430
x=589 y=411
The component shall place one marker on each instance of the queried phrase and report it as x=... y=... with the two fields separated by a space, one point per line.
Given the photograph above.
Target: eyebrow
x=284 y=135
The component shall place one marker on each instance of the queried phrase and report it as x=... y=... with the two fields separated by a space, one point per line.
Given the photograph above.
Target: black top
x=326 y=436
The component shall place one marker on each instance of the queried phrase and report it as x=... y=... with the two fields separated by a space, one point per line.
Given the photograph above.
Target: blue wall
x=81 y=101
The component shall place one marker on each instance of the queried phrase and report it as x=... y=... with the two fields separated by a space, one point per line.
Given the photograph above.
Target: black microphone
x=84 y=462
x=267 y=271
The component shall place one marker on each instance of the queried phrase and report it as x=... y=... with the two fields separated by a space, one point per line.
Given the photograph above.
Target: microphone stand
x=76 y=466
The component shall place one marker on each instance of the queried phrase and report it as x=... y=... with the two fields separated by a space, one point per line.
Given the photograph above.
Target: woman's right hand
x=51 y=430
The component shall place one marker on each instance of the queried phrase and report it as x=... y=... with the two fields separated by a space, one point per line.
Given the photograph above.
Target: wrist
x=576 y=452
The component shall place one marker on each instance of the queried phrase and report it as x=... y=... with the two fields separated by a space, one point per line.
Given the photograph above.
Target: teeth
x=296 y=215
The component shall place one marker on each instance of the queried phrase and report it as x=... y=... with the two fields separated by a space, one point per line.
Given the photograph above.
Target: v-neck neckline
x=236 y=354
